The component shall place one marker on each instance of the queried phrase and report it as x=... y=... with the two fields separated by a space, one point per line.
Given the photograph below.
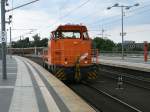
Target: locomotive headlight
x=85 y=62
x=66 y=62
x=75 y=42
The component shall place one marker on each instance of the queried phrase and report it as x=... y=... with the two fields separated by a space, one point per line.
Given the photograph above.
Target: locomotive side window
x=85 y=35
x=71 y=34
x=56 y=34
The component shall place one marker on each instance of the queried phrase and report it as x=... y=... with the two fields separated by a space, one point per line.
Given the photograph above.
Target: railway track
x=115 y=99
x=136 y=73
x=96 y=107
x=140 y=82
x=101 y=100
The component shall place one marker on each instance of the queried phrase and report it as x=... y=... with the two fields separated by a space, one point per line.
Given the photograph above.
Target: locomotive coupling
x=77 y=70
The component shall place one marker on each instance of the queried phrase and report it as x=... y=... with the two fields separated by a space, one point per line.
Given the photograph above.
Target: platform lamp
x=10 y=20
x=122 y=14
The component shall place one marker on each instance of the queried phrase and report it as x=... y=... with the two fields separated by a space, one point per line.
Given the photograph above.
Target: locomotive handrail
x=91 y=58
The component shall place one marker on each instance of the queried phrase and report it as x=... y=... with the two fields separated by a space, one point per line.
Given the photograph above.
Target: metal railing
x=134 y=54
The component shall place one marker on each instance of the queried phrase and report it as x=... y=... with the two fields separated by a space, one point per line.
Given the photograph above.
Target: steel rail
x=96 y=108
x=112 y=97
x=131 y=76
x=129 y=82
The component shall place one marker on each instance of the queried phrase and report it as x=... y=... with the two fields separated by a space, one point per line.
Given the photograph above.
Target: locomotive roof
x=81 y=28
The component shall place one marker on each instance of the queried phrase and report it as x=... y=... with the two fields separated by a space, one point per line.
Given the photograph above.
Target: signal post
x=145 y=51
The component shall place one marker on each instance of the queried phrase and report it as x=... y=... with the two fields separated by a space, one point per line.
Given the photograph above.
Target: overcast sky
x=45 y=15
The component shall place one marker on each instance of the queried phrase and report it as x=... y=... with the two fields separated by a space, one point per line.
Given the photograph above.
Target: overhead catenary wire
x=135 y=11
x=127 y=17
x=103 y=19
x=69 y=13
x=107 y=19
x=74 y=9
x=135 y=31
x=138 y=12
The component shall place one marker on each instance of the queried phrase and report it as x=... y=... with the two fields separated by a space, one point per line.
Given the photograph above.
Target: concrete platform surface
x=7 y=86
x=126 y=59
x=30 y=88
x=117 y=62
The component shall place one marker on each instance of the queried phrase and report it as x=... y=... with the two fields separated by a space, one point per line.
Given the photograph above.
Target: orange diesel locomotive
x=70 y=55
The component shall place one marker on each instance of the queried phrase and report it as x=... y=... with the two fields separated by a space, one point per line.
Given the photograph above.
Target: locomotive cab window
x=56 y=35
x=85 y=35
x=71 y=34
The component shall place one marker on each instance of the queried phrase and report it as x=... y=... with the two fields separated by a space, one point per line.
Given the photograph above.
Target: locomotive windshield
x=70 y=34
x=66 y=34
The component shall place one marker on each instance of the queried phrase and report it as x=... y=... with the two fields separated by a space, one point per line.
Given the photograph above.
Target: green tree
x=25 y=43
x=119 y=47
x=21 y=43
x=37 y=39
x=104 y=44
x=44 y=42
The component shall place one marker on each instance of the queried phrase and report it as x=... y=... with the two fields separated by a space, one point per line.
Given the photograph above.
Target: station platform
x=30 y=88
x=129 y=63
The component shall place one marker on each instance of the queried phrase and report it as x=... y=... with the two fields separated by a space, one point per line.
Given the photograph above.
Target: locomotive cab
x=72 y=34
x=70 y=53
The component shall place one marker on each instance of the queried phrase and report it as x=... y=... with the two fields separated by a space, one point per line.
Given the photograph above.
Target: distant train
x=70 y=54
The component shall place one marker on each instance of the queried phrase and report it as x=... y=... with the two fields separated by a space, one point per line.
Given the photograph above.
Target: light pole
x=10 y=20
x=3 y=32
x=3 y=36
x=122 y=15
x=10 y=44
